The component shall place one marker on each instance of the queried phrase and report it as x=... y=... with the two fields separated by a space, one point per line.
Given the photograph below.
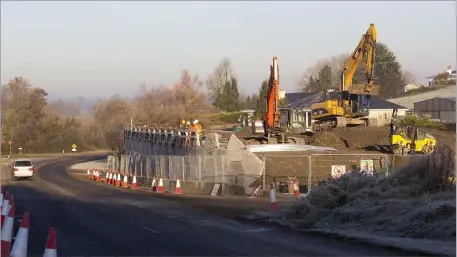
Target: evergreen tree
x=387 y=72
x=260 y=109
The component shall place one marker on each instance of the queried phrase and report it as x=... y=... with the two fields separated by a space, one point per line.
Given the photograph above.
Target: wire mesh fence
x=217 y=167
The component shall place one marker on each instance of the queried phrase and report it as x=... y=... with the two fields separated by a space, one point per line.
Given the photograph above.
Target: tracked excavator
x=273 y=132
x=352 y=106
x=409 y=141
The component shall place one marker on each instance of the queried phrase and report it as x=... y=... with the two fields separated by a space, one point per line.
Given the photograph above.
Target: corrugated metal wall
x=438 y=108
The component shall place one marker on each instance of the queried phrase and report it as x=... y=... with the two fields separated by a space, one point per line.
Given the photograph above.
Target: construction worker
x=197 y=127
x=182 y=125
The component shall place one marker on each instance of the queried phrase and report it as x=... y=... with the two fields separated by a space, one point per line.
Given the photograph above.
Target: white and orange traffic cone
x=22 y=238
x=118 y=179
x=5 y=206
x=98 y=175
x=160 y=187
x=93 y=174
x=110 y=178
x=134 y=181
x=88 y=173
x=125 y=182
x=296 y=188
x=106 y=177
x=7 y=232
x=1 y=198
x=273 y=202
x=178 y=186
x=51 y=244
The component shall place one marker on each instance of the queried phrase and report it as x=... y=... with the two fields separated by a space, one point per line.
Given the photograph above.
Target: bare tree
x=336 y=64
x=408 y=77
x=219 y=77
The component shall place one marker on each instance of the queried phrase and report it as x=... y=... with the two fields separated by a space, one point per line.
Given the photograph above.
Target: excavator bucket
x=362 y=89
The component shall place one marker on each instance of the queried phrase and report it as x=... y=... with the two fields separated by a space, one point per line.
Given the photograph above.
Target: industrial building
x=438 y=108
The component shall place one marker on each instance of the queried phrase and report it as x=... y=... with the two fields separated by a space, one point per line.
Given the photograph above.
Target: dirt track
x=361 y=139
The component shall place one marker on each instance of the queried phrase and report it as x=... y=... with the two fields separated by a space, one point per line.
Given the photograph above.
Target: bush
x=416 y=202
x=221 y=118
x=424 y=121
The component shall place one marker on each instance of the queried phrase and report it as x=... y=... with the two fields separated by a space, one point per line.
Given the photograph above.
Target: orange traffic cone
x=110 y=176
x=1 y=198
x=7 y=232
x=125 y=183
x=134 y=180
x=178 y=186
x=273 y=203
x=98 y=175
x=5 y=206
x=106 y=177
x=88 y=173
x=160 y=188
x=118 y=180
x=22 y=238
x=296 y=188
x=51 y=244
x=94 y=176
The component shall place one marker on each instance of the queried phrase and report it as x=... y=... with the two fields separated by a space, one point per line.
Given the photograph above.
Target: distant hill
x=75 y=106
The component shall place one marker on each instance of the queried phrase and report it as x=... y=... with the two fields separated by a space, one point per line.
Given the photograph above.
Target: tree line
x=30 y=122
x=388 y=73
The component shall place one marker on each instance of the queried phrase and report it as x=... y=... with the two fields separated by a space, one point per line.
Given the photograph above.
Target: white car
x=22 y=169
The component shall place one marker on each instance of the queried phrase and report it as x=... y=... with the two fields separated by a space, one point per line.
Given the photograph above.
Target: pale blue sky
x=104 y=48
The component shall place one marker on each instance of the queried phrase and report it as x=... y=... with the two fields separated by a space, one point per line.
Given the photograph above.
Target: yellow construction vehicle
x=352 y=106
x=410 y=141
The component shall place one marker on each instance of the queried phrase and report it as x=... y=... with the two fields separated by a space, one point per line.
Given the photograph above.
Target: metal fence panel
x=283 y=167
x=321 y=164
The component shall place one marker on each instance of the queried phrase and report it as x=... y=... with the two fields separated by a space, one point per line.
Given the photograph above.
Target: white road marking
x=152 y=230
x=103 y=210
x=257 y=230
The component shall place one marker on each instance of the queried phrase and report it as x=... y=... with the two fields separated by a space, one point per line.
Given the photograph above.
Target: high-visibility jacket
x=197 y=128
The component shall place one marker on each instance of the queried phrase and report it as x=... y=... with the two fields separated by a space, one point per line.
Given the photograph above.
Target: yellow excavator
x=409 y=141
x=352 y=106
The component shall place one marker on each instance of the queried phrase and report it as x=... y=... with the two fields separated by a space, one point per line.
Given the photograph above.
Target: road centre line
x=152 y=230
x=257 y=230
x=103 y=210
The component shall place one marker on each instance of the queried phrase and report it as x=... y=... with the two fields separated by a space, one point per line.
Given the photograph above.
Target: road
x=94 y=220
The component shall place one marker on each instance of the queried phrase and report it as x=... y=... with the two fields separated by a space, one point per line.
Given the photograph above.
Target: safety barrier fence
x=309 y=170
x=150 y=140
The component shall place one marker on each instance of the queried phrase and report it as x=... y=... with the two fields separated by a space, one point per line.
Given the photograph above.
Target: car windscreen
x=22 y=163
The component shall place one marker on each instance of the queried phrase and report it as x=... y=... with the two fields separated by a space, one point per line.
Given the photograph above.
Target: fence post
x=222 y=174
x=170 y=167
x=215 y=166
x=199 y=168
x=183 y=168
x=264 y=171
x=310 y=159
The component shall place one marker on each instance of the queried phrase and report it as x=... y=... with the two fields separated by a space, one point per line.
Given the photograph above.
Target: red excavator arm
x=272 y=114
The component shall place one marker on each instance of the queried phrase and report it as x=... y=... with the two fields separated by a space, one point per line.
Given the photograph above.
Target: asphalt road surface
x=94 y=220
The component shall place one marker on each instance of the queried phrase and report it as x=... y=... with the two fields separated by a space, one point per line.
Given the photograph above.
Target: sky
x=98 y=49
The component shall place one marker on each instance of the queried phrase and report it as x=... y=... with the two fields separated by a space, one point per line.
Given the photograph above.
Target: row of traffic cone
x=159 y=188
x=95 y=174
x=113 y=178
x=273 y=202
x=19 y=248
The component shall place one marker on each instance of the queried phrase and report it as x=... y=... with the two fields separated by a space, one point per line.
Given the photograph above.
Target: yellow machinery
x=352 y=106
x=410 y=141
